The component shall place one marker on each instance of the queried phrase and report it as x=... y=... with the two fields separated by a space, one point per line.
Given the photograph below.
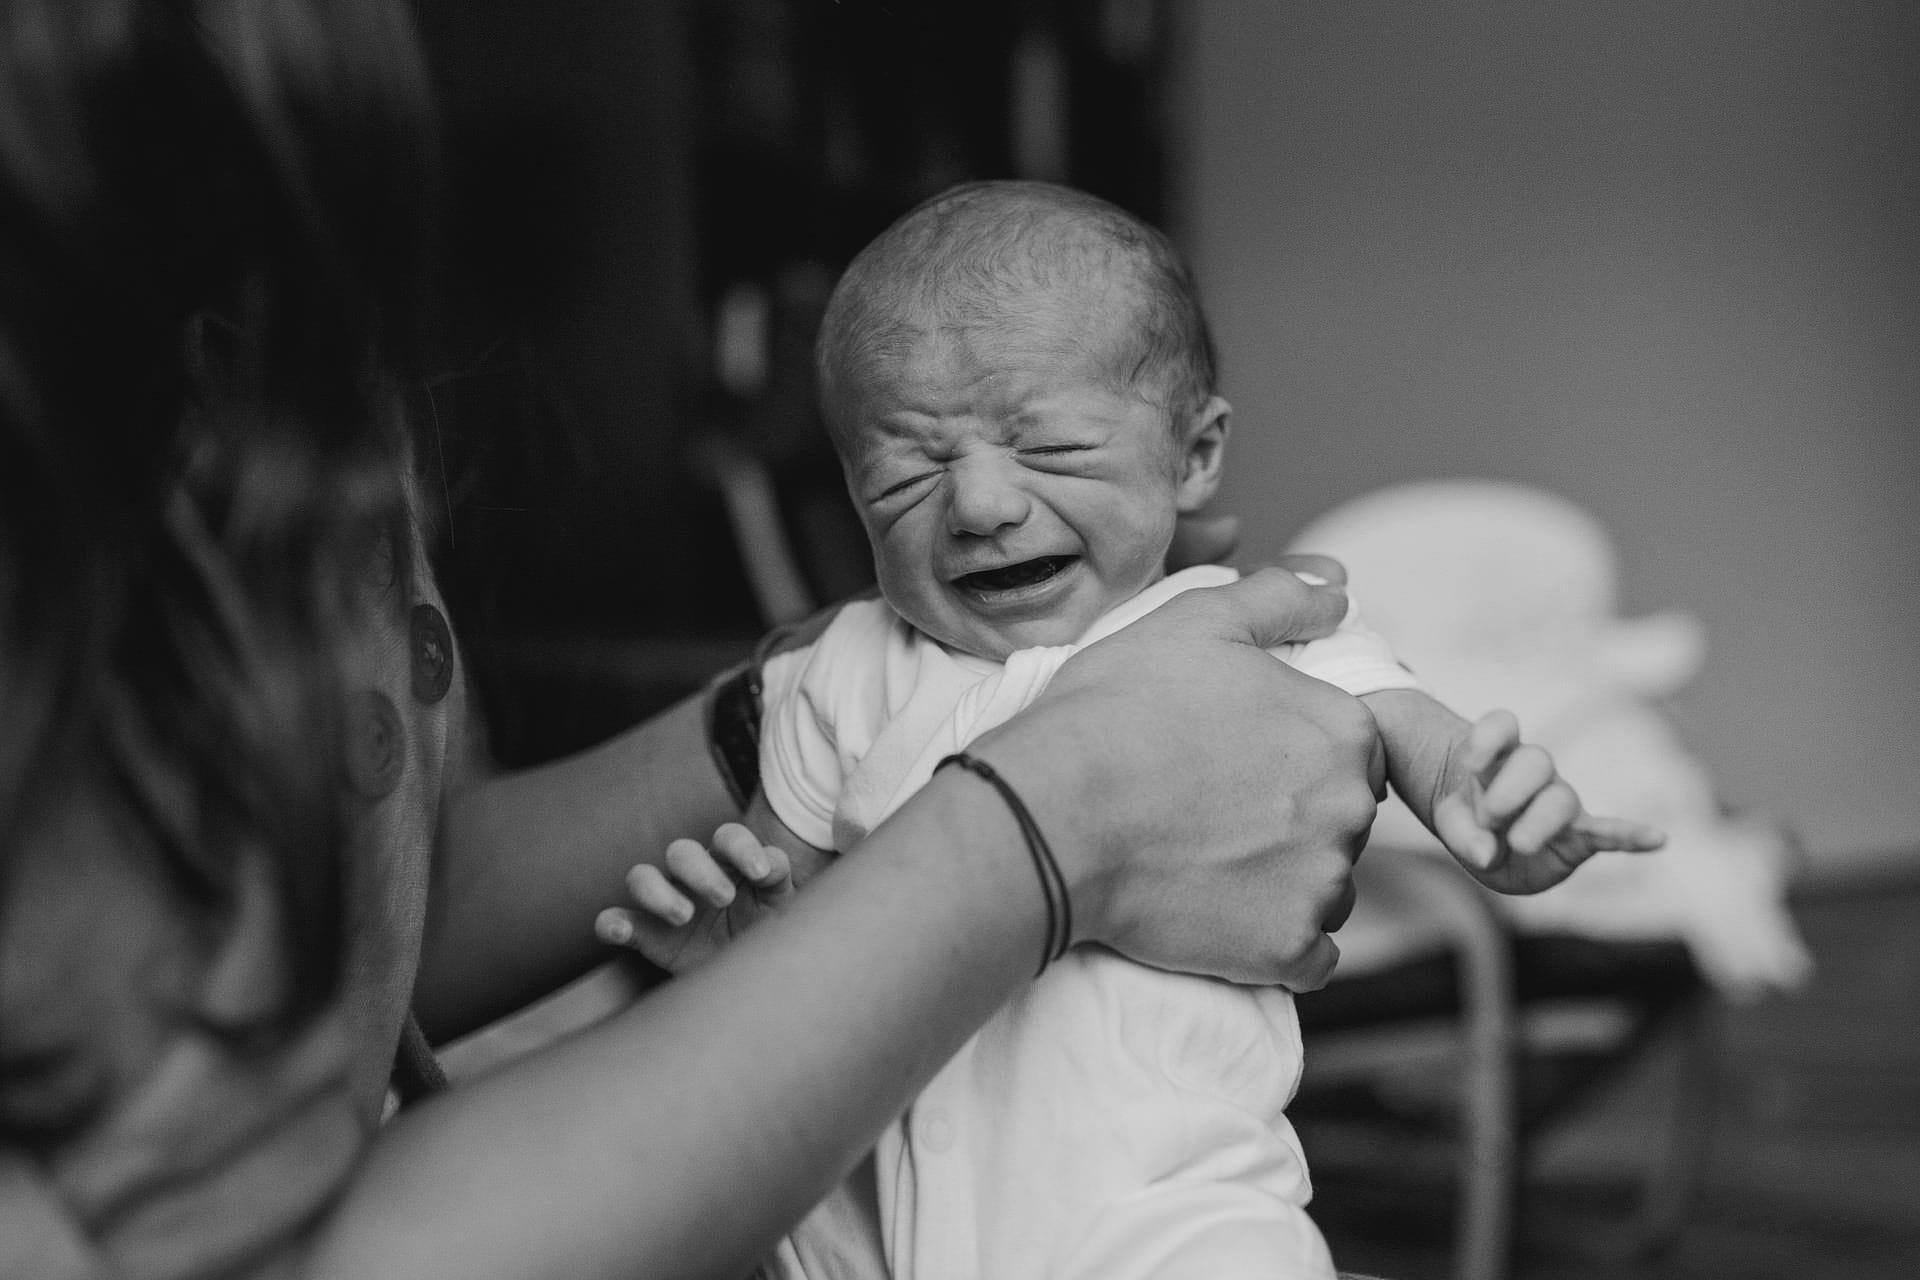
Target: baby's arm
x=1498 y=805
x=700 y=897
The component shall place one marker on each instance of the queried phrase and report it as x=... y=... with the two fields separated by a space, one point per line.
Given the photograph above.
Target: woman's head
x=212 y=254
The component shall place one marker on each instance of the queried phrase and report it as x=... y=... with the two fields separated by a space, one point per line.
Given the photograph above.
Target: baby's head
x=1020 y=383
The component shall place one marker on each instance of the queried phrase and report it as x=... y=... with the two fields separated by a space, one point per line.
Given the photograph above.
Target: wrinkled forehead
x=1078 y=330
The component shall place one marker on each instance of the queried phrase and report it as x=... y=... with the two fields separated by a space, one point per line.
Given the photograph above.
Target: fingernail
x=682 y=913
x=614 y=928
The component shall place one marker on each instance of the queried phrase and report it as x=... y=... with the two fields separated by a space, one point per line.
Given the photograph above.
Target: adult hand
x=1205 y=801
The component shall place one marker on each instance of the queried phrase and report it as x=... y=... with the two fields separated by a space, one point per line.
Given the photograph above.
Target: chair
x=1440 y=1071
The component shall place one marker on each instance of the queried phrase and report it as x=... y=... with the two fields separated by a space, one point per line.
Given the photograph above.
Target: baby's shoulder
x=851 y=658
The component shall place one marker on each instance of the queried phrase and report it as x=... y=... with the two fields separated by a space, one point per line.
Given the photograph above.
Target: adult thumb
x=1276 y=607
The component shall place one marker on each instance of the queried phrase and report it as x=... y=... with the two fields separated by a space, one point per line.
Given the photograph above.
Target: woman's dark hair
x=212 y=234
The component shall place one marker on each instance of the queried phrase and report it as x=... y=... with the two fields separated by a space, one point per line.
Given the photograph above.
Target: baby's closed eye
x=896 y=490
x=1060 y=457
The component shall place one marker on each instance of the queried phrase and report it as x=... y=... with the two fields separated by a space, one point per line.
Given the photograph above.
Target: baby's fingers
x=1459 y=828
x=1519 y=782
x=1620 y=834
x=1553 y=809
x=1489 y=741
x=694 y=869
x=618 y=927
x=657 y=896
x=764 y=866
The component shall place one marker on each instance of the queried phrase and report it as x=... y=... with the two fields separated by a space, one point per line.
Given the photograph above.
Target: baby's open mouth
x=1010 y=577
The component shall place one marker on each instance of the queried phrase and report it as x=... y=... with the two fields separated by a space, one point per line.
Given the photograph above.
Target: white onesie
x=1113 y=1121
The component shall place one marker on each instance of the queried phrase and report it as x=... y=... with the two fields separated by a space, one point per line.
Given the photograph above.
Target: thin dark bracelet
x=1053 y=885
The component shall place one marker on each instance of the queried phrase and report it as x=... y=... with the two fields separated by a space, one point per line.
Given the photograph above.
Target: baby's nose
x=985 y=496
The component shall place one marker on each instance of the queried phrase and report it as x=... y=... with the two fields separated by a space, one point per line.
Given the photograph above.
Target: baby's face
x=1010 y=494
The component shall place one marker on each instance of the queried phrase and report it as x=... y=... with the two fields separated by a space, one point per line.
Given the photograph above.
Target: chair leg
x=1673 y=1189
x=1670 y=1188
x=1488 y=1180
x=1490 y=1150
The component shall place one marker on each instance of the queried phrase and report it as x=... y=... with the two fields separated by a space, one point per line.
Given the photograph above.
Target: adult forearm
x=683 y=1136
x=526 y=859
x=1205 y=803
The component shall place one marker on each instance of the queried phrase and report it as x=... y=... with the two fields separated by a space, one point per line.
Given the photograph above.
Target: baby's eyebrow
x=887 y=439
x=902 y=433
x=1040 y=422
x=884 y=467
x=898 y=425
x=1035 y=416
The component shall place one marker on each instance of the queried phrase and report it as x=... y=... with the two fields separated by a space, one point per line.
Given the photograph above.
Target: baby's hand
x=1511 y=820
x=702 y=900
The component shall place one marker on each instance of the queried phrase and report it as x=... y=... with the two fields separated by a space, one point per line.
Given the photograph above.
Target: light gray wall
x=1662 y=257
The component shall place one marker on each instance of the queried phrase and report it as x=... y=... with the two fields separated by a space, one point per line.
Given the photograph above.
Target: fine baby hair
x=980 y=254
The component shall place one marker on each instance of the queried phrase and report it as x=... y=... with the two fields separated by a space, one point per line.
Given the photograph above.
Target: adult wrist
x=1053 y=888
x=1058 y=775
x=977 y=826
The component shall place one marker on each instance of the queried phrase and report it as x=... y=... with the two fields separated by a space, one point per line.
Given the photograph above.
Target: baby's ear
x=1203 y=448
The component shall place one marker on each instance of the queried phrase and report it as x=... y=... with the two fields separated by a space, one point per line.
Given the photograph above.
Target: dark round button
x=376 y=745
x=432 y=654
